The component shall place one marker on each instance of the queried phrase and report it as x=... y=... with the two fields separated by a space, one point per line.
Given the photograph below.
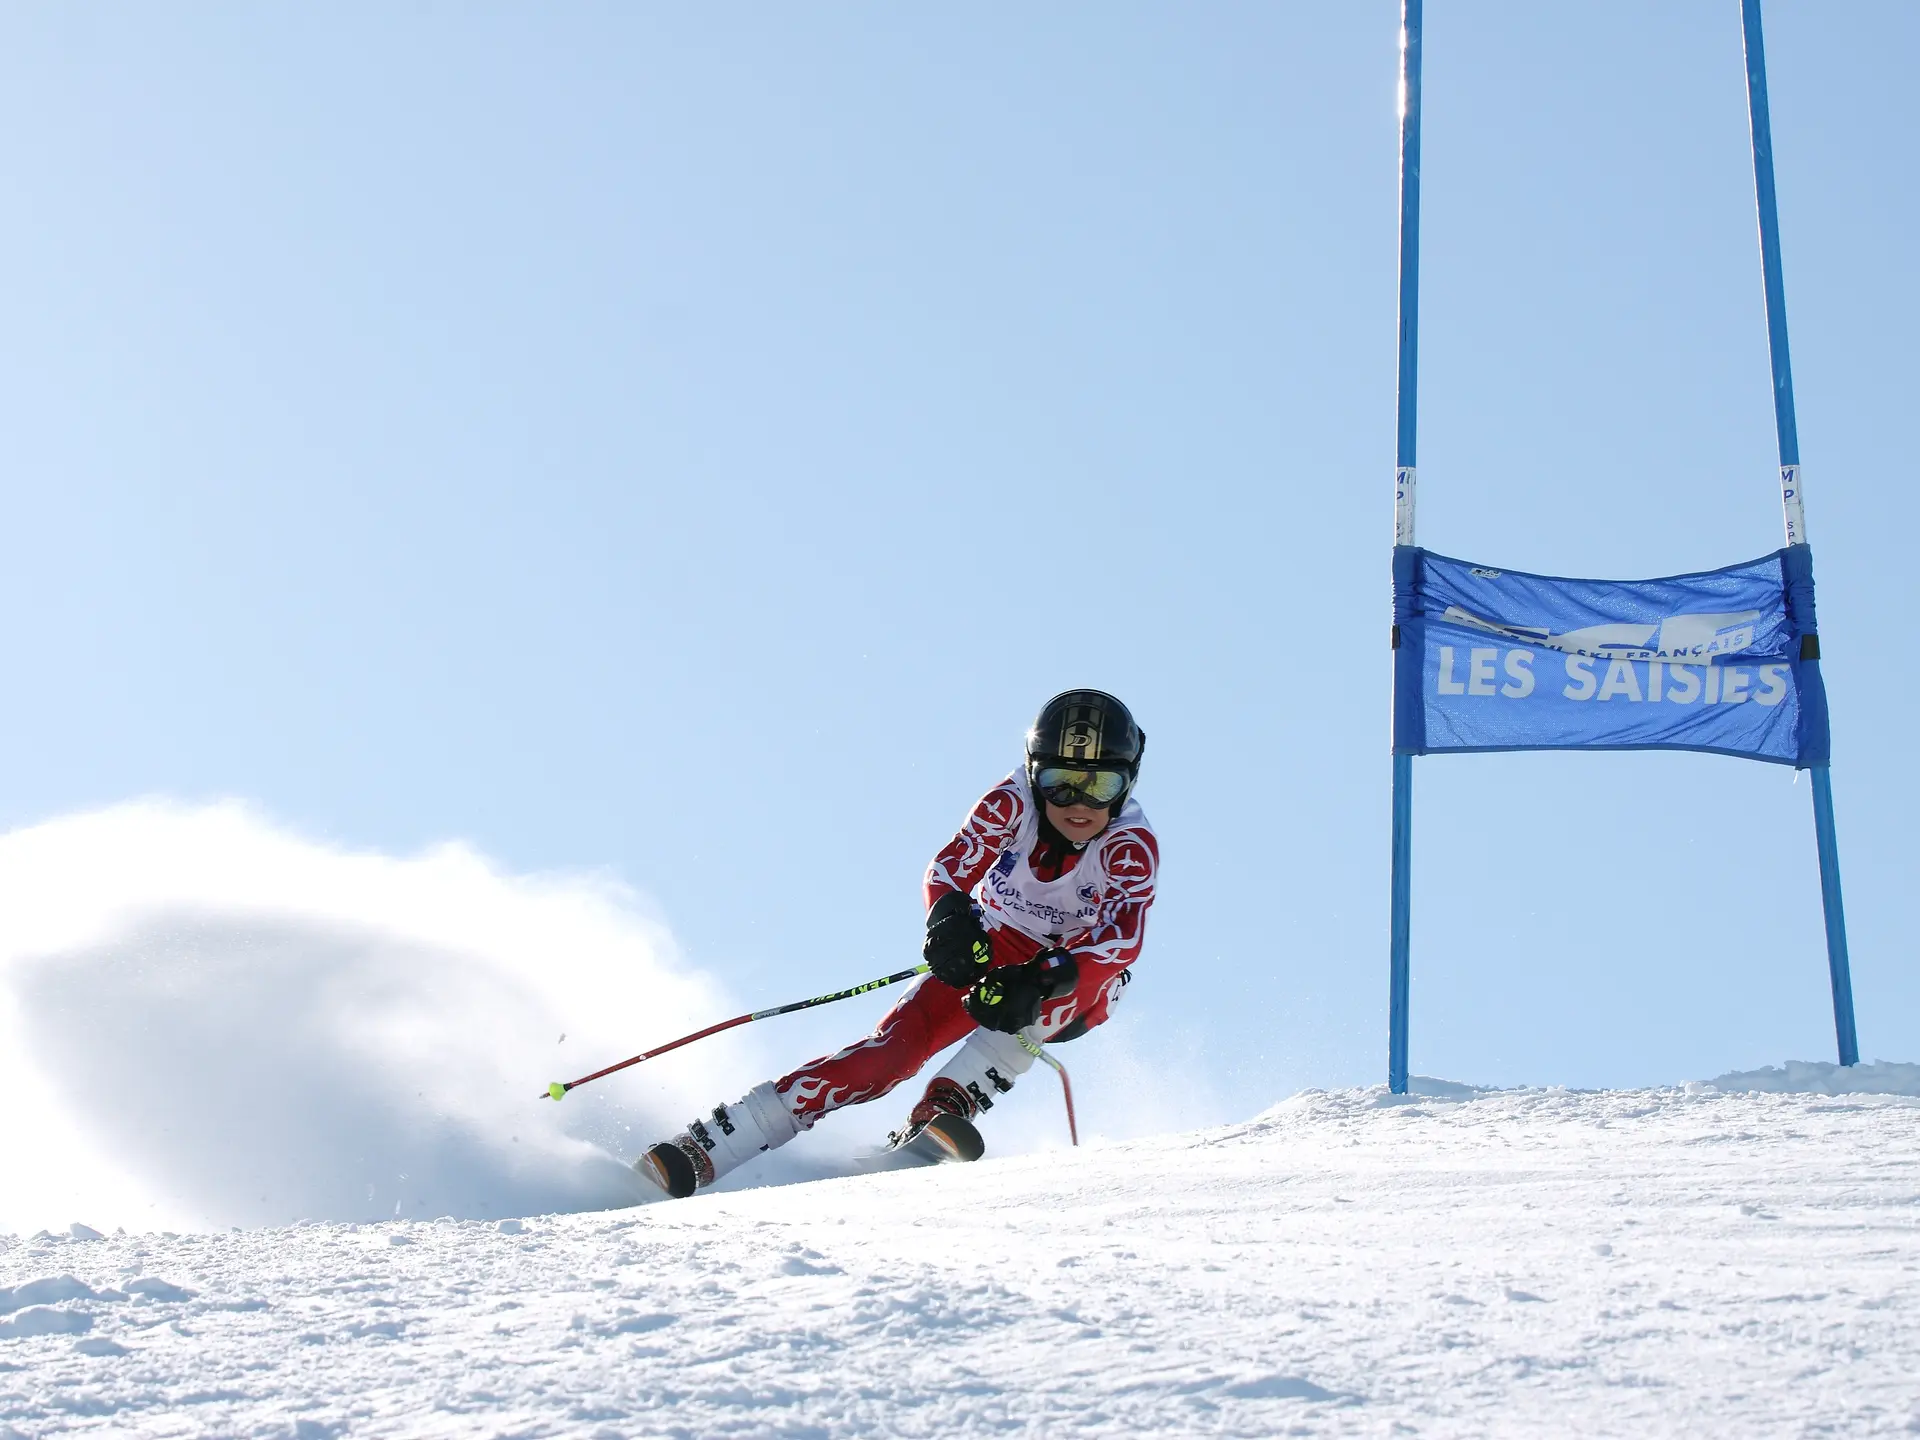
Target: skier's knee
x=1073 y=1030
x=1098 y=1010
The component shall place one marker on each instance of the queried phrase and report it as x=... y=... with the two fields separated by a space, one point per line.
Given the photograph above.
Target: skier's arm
x=1133 y=866
x=990 y=829
x=1133 y=862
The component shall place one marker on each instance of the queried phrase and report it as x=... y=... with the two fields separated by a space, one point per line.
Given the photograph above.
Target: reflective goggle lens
x=1059 y=785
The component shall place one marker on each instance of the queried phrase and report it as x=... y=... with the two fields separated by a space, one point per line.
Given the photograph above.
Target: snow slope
x=1525 y=1263
x=206 y=1021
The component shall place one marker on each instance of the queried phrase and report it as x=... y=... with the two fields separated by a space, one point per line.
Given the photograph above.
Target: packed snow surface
x=206 y=1021
x=1701 y=1261
x=1807 y=1077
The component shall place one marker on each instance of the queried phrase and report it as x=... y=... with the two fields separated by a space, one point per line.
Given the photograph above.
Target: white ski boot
x=941 y=1127
x=729 y=1137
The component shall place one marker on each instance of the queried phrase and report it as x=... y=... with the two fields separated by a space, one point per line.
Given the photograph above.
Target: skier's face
x=1079 y=823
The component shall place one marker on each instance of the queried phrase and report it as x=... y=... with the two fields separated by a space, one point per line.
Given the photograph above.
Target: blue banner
x=1724 y=661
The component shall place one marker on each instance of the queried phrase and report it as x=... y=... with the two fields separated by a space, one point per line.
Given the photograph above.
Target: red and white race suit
x=1031 y=895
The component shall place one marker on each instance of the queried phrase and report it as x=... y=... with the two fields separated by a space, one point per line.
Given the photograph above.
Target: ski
x=945 y=1139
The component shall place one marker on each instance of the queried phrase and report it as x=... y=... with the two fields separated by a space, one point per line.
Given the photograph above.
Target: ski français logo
x=1682 y=659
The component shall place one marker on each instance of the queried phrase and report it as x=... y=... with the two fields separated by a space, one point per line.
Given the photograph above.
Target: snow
x=1517 y=1262
x=207 y=1022
x=1803 y=1077
x=48 y=1291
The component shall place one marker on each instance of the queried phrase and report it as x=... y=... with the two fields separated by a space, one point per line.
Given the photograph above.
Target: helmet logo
x=1086 y=727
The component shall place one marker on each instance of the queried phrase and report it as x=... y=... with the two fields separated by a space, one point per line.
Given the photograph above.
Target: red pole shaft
x=559 y=1088
x=1038 y=1052
x=670 y=1045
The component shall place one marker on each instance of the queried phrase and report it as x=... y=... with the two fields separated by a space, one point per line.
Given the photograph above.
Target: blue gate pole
x=1792 y=502
x=1399 y=933
x=1402 y=873
x=1838 y=971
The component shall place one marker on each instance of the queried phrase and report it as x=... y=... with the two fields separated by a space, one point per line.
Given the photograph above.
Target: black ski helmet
x=1089 y=728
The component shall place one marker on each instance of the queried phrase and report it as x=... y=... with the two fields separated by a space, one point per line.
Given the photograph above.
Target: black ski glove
x=1009 y=999
x=957 y=950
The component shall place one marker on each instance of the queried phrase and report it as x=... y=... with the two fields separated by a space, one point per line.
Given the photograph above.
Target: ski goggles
x=1067 y=785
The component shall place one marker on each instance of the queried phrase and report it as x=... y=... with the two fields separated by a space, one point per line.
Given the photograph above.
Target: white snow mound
x=1514 y=1263
x=1814 y=1077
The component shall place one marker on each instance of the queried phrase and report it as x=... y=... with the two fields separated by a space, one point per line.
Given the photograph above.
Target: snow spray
x=208 y=1021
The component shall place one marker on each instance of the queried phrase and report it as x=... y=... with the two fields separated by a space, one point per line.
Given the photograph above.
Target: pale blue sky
x=634 y=437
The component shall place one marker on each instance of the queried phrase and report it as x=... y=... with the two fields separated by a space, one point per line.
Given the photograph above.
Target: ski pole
x=559 y=1088
x=1066 y=1085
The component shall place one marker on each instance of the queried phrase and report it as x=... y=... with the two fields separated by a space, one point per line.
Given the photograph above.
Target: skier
x=1034 y=912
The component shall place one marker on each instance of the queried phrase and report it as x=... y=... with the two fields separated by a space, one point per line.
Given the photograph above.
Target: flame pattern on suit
x=1120 y=866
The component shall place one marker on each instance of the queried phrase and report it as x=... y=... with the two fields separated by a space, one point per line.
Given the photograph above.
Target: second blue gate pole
x=1838 y=968
x=1400 y=926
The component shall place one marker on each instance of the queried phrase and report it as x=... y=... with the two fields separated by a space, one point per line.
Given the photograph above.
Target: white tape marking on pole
x=1403 y=483
x=1790 y=487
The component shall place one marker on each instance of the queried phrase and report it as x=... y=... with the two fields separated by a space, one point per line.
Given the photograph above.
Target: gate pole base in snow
x=1836 y=915
x=1402 y=885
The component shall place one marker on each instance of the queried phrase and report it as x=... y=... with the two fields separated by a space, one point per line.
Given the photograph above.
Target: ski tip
x=669 y=1168
x=556 y=1091
x=956 y=1138
x=944 y=1139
